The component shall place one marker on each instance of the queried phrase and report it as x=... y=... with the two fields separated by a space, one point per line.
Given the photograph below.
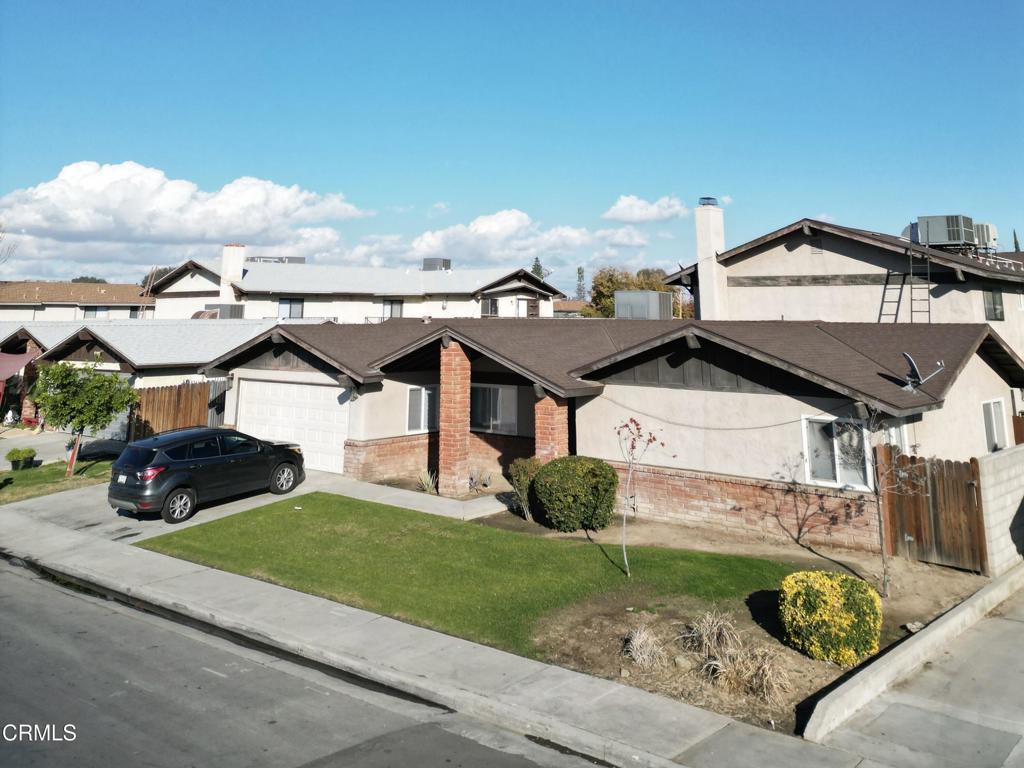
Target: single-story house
x=51 y=300
x=746 y=410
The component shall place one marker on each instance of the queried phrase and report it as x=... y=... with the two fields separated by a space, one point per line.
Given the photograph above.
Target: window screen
x=493 y=408
x=993 y=304
x=852 y=457
x=821 y=455
x=422 y=409
x=995 y=425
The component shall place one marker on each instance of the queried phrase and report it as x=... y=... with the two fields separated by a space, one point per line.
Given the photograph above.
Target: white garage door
x=315 y=417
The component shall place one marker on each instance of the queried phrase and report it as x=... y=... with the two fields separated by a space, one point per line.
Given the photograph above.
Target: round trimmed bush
x=831 y=616
x=577 y=492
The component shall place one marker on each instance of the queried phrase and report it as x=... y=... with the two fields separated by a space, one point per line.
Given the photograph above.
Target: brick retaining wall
x=763 y=509
x=404 y=456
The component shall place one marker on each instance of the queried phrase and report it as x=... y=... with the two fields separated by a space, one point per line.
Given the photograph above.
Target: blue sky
x=430 y=115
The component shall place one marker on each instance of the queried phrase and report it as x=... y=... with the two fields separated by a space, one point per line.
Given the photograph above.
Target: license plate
x=122 y=478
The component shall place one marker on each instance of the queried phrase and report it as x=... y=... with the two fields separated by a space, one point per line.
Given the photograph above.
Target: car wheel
x=179 y=506
x=283 y=478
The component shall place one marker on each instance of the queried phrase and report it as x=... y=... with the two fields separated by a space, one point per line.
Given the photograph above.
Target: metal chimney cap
x=707 y=201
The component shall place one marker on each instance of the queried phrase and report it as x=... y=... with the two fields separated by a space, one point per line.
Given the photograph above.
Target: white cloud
x=828 y=218
x=440 y=208
x=634 y=210
x=726 y=199
x=116 y=221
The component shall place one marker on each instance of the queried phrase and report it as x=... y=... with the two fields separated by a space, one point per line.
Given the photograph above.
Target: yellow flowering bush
x=831 y=616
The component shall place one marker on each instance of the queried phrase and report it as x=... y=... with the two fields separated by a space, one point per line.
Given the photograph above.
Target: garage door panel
x=315 y=417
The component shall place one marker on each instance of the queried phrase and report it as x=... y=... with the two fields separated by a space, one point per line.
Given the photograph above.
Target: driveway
x=86 y=510
x=963 y=709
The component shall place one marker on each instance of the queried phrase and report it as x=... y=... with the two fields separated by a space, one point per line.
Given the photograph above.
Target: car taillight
x=147 y=475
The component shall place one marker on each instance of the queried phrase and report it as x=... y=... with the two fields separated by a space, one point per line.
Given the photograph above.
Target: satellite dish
x=913 y=377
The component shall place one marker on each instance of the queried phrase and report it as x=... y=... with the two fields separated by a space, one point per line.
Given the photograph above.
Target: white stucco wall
x=751 y=435
x=957 y=430
x=170 y=306
x=57 y=312
x=1002 y=504
x=356 y=309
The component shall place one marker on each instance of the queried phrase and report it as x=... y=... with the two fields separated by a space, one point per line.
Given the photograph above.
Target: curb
x=908 y=657
x=587 y=744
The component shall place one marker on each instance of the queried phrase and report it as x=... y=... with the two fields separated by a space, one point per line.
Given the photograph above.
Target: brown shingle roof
x=863 y=361
x=91 y=294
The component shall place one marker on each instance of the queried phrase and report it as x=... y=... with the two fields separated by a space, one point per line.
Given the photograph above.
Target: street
x=144 y=691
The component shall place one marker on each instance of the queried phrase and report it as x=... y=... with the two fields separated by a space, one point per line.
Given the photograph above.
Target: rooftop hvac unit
x=275 y=259
x=435 y=264
x=643 y=305
x=987 y=236
x=946 y=230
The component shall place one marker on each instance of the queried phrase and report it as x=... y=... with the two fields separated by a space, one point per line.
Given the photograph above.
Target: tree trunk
x=74 y=456
x=629 y=503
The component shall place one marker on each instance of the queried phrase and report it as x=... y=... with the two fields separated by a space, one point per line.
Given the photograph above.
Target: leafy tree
x=607 y=280
x=1016 y=242
x=87 y=279
x=81 y=398
x=157 y=273
x=538 y=268
x=581 y=285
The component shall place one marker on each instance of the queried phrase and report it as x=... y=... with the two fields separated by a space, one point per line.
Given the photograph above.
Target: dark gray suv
x=174 y=471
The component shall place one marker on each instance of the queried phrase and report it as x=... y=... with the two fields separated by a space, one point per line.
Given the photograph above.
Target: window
x=393 y=307
x=835 y=453
x=895 y=433
x=289 y=309
x=177 y=453
x=995 y=425
x=205 y=449
x=98 y=313
x=993 y=304
x=493 y=408
x=133 y=313
x=236 y=445
x=422 y=412
x=489 y=308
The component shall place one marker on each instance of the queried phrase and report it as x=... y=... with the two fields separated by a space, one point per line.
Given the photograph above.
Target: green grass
x=474 y=581
x=19 y=484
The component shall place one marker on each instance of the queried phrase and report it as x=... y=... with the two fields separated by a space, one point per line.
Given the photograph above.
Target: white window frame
x=1020 y=298
x=424 y=427
x=98 y=313
x=514 y=429
x=899 y=428
x=1006 y=433
x=868 y=463
x=388 y=307
x=284 y=307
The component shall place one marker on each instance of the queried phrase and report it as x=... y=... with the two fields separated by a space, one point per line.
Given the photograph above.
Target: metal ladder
x=920 y=289
x=892 y=297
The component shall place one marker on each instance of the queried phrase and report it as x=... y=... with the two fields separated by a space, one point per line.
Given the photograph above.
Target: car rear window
x=177 y=452
x=136 y=457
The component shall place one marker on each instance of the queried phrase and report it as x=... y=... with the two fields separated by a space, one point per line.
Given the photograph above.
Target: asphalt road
x=144 y=691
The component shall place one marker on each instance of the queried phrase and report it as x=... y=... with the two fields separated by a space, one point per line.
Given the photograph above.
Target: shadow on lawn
x=605 y=553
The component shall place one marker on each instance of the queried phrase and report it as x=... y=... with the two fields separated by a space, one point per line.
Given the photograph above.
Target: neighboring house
x=815 y=270
x=256 y=289
x=570 y=308
x=741 y=406
x=43 y=300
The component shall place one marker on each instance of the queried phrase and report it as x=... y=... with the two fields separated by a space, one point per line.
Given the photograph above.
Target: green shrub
x=521 y=473
x=577 y=492
x=831 y=616
x=21 y=454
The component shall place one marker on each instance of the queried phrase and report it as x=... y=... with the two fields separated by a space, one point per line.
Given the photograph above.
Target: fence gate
x=933 y=509
x=163 y=408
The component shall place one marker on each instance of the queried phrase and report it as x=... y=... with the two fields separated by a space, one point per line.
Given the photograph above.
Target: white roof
x=329 y=279
x=156 y=343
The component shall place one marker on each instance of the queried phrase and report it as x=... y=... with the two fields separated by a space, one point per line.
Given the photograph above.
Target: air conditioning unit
x=987 y=236
x=643 y=305
x=946 y=230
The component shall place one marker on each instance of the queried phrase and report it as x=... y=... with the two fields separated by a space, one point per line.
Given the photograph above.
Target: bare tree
x=634 y=444
x=7 y=248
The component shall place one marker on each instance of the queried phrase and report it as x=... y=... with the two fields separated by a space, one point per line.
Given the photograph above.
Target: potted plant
x=15 y=456
x=28 y=458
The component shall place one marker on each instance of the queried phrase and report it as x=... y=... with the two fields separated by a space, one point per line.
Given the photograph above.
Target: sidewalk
x=600 y=718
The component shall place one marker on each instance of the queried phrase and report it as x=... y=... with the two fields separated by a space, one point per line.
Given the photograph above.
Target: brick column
x=453 y=422
x=28 y=407
x=551 y=427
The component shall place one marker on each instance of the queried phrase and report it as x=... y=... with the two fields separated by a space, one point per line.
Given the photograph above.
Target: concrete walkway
x=600 y=718
x=49 y=446
x=964 y=709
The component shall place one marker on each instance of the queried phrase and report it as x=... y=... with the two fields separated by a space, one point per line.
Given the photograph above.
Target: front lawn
x=484 y=584
x=19 y=484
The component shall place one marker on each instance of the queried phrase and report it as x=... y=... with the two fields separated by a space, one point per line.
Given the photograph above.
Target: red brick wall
x=453 y=442
x=405 y=456
x=494 y=453
x=551 y=427
x=755 y=508
x=28 y=407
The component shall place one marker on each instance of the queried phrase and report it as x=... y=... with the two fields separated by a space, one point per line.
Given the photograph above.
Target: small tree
x=87 y=279
x=81 y=398
x=581 y=285
x=7 y=249
x=633 y=443
x=538 y=268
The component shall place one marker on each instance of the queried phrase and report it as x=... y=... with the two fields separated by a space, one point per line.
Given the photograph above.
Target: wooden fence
x=163 y=408
x=933 y=509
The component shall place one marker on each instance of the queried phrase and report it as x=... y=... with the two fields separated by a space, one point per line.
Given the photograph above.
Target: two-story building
x=253 y=288
x=45 y=300
x=816 y=270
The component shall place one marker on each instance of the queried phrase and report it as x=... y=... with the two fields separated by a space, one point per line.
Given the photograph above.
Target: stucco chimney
x=232 y=264
x=712 y=303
